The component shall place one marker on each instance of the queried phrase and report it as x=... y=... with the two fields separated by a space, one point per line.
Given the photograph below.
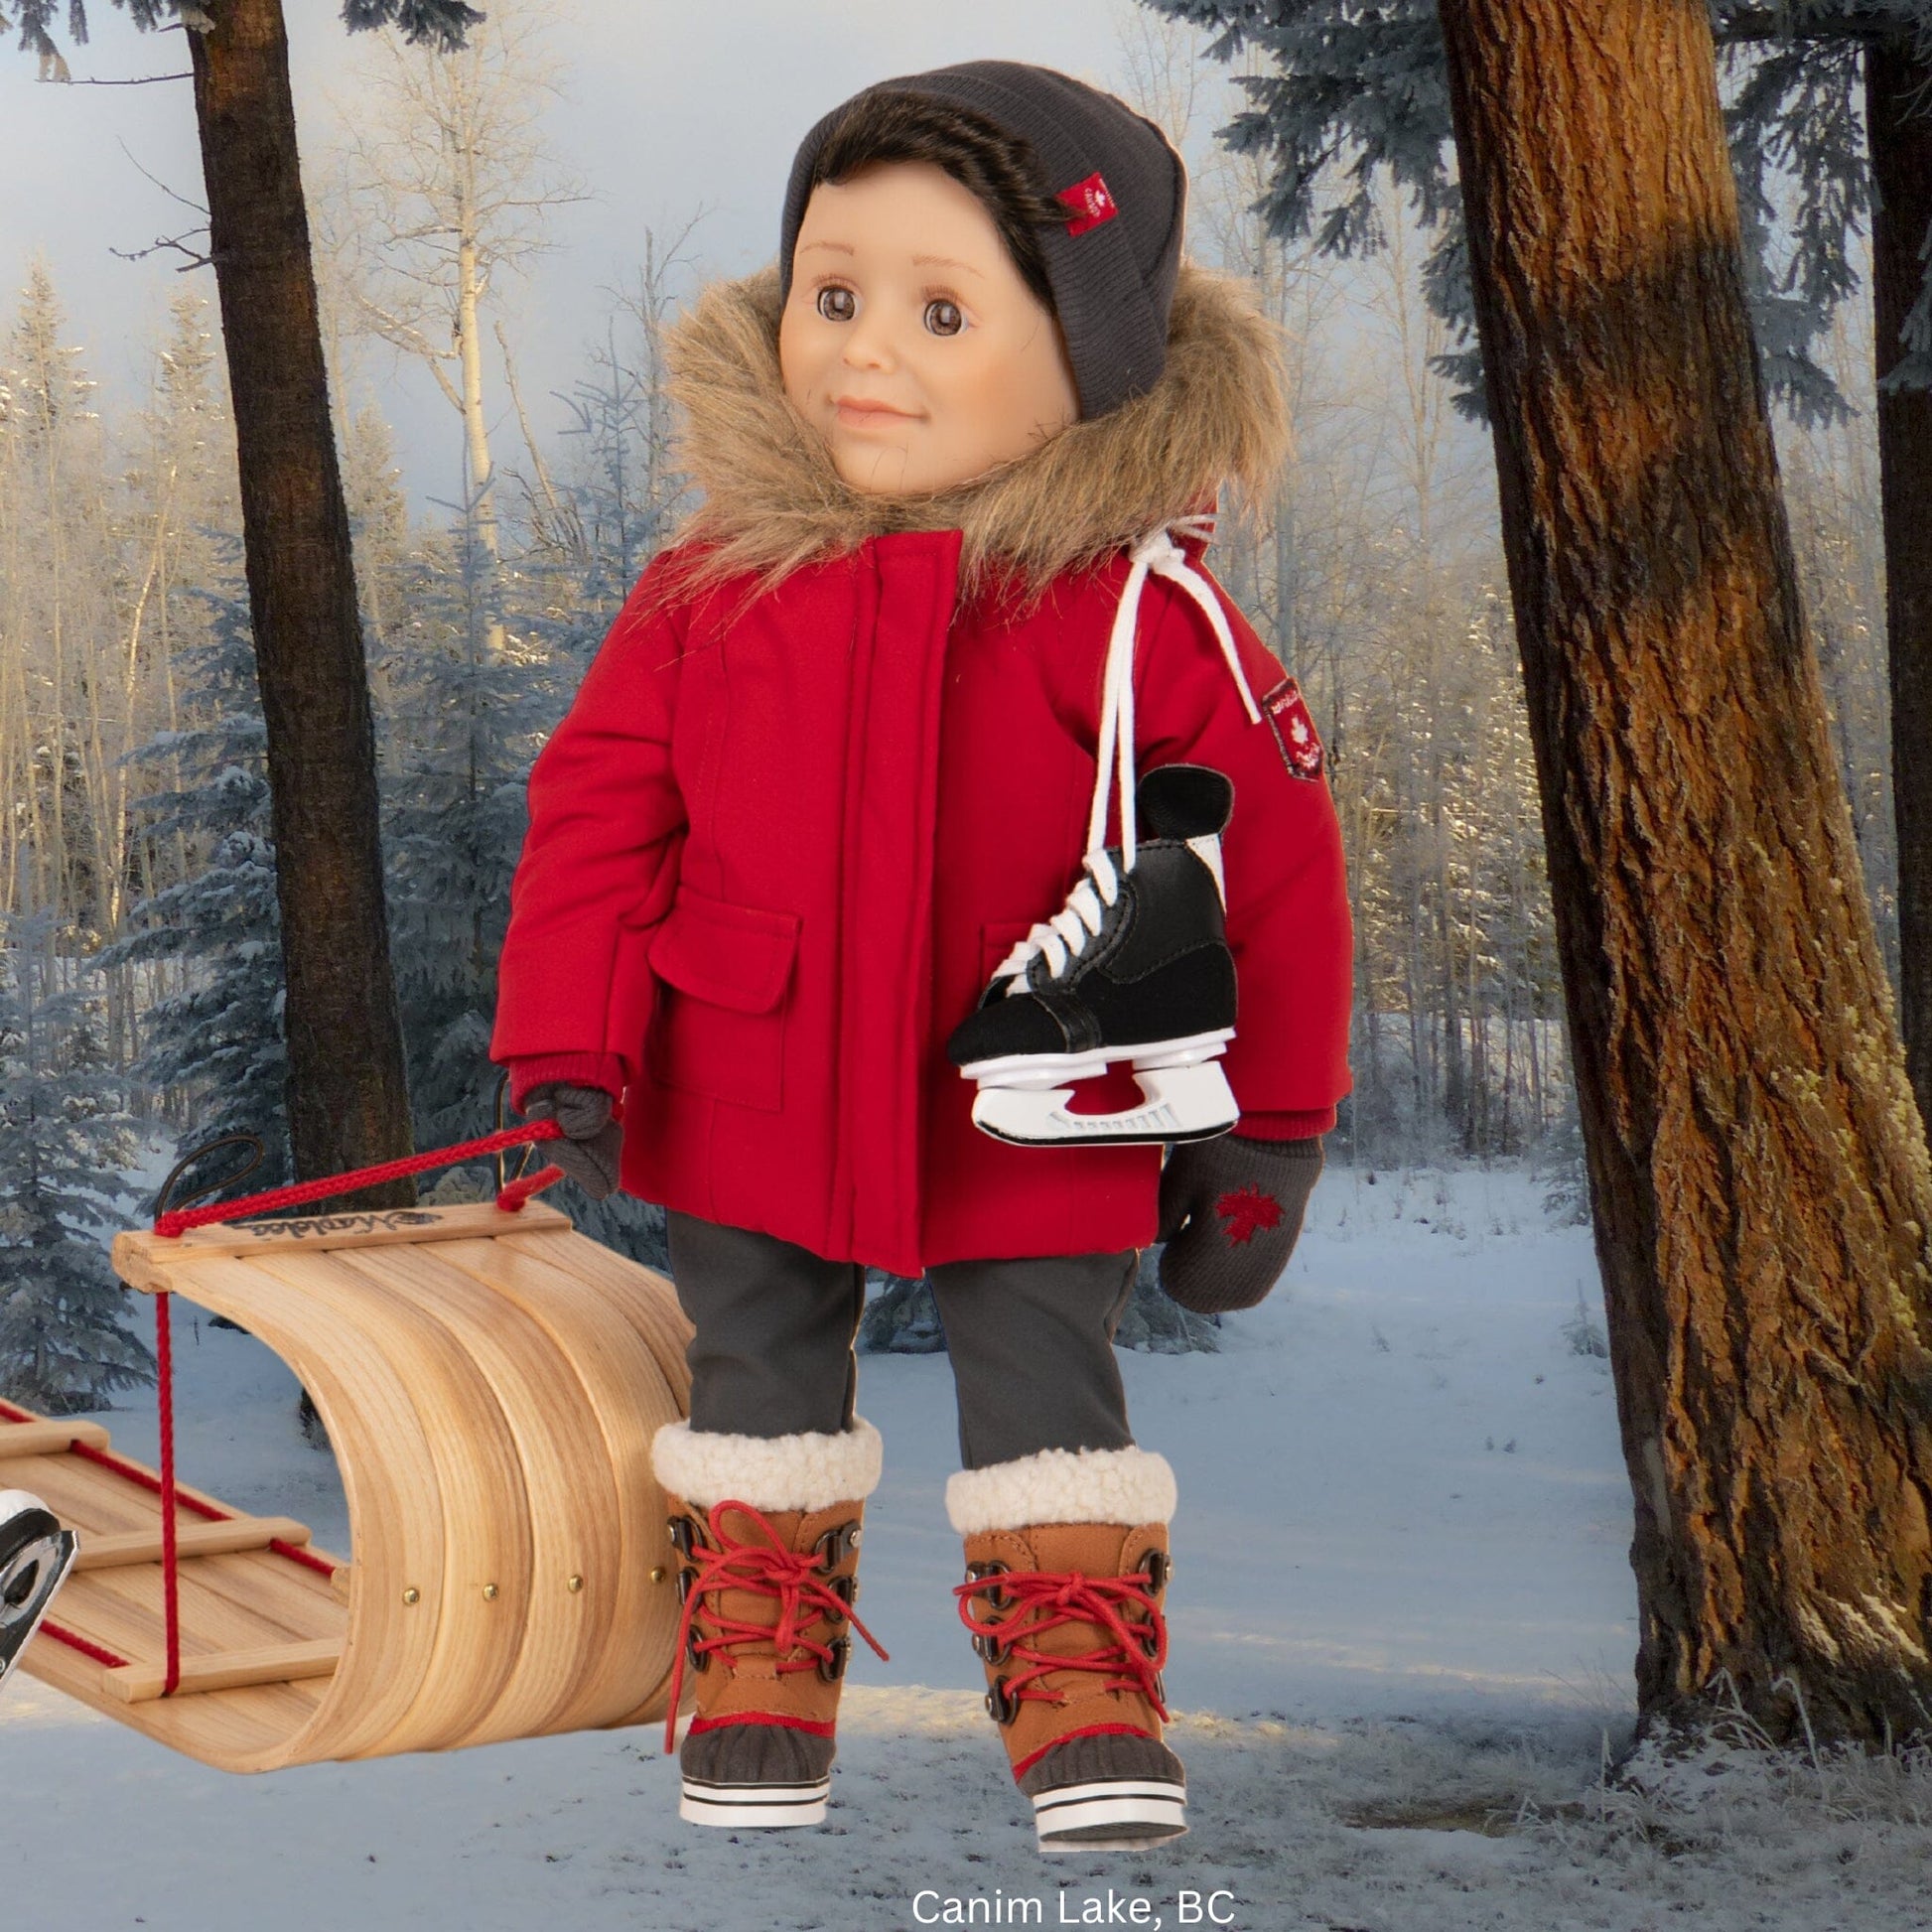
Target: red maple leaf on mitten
x=1246 y=1210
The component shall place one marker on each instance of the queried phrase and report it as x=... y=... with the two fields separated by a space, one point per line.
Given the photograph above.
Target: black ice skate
x=1135 y=968
x=36 y=1553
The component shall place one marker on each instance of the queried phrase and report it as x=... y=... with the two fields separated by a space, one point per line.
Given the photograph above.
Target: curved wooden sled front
x=490 y=1384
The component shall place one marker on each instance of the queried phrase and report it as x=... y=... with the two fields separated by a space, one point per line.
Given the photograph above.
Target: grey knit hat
x=1112 y=267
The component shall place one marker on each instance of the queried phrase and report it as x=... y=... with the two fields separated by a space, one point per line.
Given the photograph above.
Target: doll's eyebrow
x=918 y=261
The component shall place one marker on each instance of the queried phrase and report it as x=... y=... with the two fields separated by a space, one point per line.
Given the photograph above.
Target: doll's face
x=909 y=340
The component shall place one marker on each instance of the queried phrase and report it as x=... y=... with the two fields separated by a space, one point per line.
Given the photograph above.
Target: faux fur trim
x=805 y=1471
x=1129 y=1486
x=773 y=499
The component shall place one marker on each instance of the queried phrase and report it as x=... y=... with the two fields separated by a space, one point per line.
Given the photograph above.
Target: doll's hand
x=592 y=1141
x=1230 y=1212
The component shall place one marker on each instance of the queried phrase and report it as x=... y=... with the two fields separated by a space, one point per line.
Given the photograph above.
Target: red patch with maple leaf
x=1246 y=1210
x=1287 y=712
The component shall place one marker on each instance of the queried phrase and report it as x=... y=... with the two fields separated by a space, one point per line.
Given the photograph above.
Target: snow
x=1403 y=1625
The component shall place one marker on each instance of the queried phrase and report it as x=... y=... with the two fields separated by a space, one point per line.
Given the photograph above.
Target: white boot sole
x=739 y=1806
x=1159 y=1808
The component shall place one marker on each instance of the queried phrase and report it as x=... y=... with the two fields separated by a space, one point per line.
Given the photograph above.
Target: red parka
x=784 y=835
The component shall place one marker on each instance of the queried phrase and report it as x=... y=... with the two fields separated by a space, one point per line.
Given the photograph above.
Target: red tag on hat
x=1286 y=712
x=1092 y=202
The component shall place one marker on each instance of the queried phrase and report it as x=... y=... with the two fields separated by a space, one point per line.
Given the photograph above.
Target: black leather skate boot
x=1135 y=968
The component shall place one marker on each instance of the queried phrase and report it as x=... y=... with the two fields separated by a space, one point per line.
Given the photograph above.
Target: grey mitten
x=592 y=1141
x=1230 y=1212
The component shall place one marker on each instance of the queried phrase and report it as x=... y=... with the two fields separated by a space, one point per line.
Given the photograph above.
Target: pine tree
x=66 y=1142
x=469 y=702
x=218 y=1035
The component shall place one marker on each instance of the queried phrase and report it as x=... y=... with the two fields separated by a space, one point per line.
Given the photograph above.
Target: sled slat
x=48 y=1437
x=227 y=1670
x=191 y=1540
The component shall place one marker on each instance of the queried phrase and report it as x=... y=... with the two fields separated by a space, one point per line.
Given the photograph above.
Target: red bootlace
x=1047 y=1600
x=767 y=1569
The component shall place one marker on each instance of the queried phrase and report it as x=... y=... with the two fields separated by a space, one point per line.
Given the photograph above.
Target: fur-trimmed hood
x=772 y=499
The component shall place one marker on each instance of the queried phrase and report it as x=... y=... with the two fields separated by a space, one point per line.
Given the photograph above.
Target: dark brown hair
x=1001 y=170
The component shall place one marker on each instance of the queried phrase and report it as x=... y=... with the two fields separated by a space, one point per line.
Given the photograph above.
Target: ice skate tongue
x=1185 y=801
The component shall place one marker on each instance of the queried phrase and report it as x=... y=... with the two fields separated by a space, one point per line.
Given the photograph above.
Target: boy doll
x=831 y=764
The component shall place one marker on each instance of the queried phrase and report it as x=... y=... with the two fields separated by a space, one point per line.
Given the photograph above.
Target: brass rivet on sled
x=489 y=1592
x=412 y=1595
x=573 y=1585
x=658 y=1573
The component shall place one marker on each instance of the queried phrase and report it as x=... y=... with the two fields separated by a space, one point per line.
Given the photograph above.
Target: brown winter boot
x=1067 y=1616
x=768 y=1596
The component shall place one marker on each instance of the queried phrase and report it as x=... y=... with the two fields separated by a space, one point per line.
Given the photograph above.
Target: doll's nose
x=867 y=344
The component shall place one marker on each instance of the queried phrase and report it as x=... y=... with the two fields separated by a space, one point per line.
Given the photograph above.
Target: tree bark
x=1898 y=135
x=349 y=1100
x=1758 y=1176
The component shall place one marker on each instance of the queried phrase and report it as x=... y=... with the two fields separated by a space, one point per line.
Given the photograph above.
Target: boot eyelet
x=699 y=1660
x=1001 y=1707
x=838 y=1542
x=685 y=1535
x=994 y=1650
x=976 y=1573
x=845 y=1588
x=685 y=1579
x=1159 y=1569
x=832 y=1668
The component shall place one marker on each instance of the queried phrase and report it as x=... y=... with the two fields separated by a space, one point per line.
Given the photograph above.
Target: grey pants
x=1031 y=1342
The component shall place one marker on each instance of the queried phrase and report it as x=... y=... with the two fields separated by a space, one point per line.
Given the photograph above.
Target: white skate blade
x=30 y=1579
x=760 y=1806
x=1111 y=1815
x=1180 y=1103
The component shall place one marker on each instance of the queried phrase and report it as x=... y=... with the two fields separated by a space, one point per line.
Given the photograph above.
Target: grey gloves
x=592 y=1142
x=1230 y=1212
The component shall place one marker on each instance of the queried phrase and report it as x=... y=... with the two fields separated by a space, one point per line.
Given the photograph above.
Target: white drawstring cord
x=1064 y=936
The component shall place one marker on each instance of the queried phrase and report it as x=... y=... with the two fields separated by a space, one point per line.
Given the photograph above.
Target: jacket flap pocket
x=735 y=956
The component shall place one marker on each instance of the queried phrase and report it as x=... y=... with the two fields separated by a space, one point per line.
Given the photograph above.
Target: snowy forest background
x=139 y=962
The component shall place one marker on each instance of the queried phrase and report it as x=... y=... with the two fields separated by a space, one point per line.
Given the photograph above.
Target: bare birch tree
x=445 y=184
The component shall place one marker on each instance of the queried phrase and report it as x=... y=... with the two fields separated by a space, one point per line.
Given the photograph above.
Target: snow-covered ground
x=1403 y=1626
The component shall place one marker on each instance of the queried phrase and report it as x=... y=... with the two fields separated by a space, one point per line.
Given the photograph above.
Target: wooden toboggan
x=490 y=1382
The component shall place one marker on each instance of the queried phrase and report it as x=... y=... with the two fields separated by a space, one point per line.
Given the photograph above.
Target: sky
x=667 y=109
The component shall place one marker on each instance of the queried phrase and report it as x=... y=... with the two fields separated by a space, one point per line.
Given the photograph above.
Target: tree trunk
x=349 y=1100
x=1898 y=133
x=1759 y=1178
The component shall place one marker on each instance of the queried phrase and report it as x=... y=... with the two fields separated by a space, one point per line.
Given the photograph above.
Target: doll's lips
x=857 y=412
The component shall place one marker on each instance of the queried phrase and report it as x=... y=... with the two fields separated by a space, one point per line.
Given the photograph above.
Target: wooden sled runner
x=491 y=1383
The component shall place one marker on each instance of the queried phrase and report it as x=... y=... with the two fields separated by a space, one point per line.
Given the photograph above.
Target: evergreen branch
x=1740 y=26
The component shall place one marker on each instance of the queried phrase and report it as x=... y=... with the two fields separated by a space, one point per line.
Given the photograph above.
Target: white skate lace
x=1158 y=554
x=1063 y=937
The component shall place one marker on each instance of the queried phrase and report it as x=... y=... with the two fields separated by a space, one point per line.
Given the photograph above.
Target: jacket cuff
x=570 y=1069
x=1285 y=1127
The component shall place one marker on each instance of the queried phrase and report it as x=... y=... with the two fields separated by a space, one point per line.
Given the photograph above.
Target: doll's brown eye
x=837 y=304
x=942 y=318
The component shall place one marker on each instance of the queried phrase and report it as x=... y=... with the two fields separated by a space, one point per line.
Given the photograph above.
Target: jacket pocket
x=719 y=1027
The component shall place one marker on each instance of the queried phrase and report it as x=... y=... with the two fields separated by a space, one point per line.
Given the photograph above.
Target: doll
x=832 y=764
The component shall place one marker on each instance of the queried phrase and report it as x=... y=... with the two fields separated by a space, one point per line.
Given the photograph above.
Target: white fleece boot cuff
x=1128 y=1485
x=803 y=1471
